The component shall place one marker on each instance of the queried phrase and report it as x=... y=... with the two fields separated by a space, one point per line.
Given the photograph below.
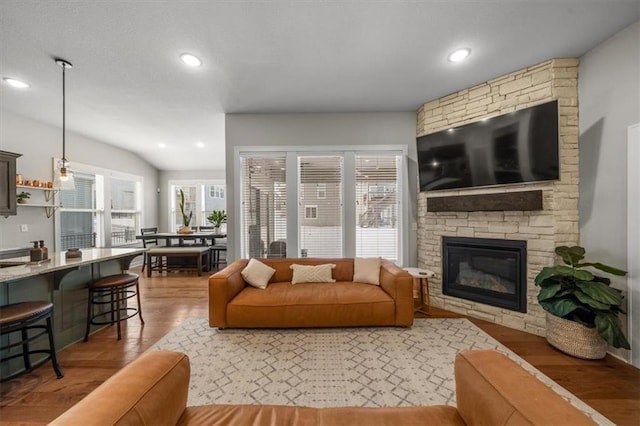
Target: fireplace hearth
x=489 y=271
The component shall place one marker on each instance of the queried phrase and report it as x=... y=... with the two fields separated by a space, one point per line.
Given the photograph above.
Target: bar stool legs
x=113 y=291
x=23 y=317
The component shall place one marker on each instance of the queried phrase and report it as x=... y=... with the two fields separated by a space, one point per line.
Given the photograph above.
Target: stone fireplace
x=553 y=222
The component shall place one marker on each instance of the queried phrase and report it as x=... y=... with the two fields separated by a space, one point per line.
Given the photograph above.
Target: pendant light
x=64 y=172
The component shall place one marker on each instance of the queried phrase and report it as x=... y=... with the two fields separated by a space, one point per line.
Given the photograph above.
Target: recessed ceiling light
x=200 y=144
x=191 y=60
x=16 y=83
x=459 y=55
x=162 y=145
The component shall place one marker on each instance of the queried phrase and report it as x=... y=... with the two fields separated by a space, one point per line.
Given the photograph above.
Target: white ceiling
x=128 y=87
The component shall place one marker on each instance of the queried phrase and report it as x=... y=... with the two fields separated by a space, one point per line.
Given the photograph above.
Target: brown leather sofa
x=234 y=303
x=490 y=390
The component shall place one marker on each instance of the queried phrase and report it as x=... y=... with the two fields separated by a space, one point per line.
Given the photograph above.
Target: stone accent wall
x=556 y=224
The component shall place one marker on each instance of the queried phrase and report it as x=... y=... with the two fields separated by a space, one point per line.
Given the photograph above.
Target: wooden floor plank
x=610 y=386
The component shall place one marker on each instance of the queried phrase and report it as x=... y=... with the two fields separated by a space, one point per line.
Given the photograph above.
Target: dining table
x=176 y=239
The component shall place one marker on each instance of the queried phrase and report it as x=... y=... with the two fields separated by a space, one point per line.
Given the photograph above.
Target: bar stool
x=24 y=317
x=113 y=291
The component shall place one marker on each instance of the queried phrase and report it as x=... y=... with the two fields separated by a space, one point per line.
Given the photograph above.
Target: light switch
x=24 y=228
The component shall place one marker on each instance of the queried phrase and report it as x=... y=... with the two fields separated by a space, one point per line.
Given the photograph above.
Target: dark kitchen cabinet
x=8 y=183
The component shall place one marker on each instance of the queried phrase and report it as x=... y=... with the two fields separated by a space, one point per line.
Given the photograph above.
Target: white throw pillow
x=257 y=274
x=367 y=270
x=312 y=273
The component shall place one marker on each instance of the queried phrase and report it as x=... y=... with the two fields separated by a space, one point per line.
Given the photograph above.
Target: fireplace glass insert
x=489 y=271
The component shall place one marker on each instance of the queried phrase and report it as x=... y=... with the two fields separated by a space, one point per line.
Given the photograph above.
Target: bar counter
x=64 y=283
x=58 y=263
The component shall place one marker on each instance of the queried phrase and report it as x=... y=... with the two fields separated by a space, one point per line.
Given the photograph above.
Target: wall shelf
x=49 y=194
x=49 y=208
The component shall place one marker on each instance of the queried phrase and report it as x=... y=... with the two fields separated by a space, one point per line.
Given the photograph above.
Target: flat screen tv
x=517 y=147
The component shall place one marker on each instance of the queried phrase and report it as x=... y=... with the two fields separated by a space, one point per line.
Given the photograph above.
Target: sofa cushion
x=342 y=303
x=254 y=415
x=257 y=273
x=249 y=415
x=287 y=294
x=312 y=273
x=367 y=270
x=441 y=415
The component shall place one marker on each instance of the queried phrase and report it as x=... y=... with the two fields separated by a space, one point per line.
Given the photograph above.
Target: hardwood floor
x=609 y=385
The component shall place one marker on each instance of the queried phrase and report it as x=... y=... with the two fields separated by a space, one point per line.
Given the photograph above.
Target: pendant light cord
x=64 y=64
x=64 y=156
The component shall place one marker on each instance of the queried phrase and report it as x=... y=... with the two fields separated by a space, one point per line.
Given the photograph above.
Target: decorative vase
x=574 y=338
x=21 y=201
x=216 y=229
x=185 y=230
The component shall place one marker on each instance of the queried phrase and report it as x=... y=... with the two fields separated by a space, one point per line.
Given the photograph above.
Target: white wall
x=609 y=97
x=335 y=129
x=39 y=143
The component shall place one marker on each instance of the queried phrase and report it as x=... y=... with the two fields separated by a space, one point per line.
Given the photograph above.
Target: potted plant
x=216 y=218
x=582 y=308
x=23 y=197
x=186 y=219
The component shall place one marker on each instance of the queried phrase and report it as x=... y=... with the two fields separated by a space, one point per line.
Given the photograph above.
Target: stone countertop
x=58 y=262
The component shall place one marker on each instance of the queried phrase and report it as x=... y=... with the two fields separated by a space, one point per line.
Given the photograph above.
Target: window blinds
x=377 y=205
x=320 y=206
x=264 y=206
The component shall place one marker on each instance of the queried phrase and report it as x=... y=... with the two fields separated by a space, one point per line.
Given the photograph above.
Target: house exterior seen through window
x=310 y=212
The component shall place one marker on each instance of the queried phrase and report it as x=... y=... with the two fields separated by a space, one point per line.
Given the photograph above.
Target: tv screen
x=521 y=146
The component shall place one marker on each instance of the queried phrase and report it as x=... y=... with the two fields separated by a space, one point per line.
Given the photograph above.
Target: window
x=321 y=191
x=102 y=208
x=263 y=206
x=345 y=203
x=190 y=209
x=125 y=211
x=377 y=205
x=215 y=201
x=80 y=220
x=320 y=235
x=310 y=212
x=200 y=198
x=216 y=191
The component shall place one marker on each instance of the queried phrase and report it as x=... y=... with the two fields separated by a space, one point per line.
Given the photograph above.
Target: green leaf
x=605 y=268
x=588 y=300
x=559 y=307
x=553 y=271
x=582 y=275
x=570 y=255
x=601 y=292
x=609 y=329
x=549 y=292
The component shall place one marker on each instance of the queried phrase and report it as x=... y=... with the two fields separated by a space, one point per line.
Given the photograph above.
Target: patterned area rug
x=367 y=367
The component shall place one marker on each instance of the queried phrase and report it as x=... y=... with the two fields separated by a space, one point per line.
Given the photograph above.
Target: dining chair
x=219 y=246
x=205 y=228
x=148 y=242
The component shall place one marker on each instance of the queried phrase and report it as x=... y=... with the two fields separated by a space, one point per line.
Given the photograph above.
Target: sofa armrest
x=223 y=286
x=151 y=390
x=491 y=389
x=398 y=283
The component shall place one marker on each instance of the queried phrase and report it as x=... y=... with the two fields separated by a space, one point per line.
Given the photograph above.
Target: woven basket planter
x=575 y=339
